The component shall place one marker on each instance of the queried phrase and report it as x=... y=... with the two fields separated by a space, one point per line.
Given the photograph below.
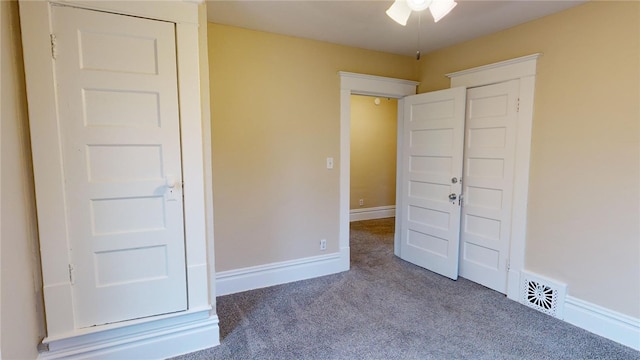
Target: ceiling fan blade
x=399 y=11
x=440 y=8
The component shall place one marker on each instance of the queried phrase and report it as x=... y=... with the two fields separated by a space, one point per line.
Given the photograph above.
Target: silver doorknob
x=452 y=197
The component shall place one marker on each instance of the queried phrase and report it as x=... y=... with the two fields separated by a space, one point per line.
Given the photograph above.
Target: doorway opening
x=373 y=157
x=359 y=84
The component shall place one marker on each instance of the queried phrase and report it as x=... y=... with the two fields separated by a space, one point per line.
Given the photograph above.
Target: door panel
x=488 y=183
x=432 y=156
x=118 y=103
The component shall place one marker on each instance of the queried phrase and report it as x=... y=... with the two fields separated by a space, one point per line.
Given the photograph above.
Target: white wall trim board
x=207 y=154
x=256 y=277
x=601 y=321
x=379 y=212
x=171 y=11
x=523 y=69
x=399 y=141
x=361 y=84
x=167 y=337
x=1 y=17
x=496 y=72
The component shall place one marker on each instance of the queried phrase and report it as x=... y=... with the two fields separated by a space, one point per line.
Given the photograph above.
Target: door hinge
x=518 y=105
x=508 y=264
x=54 y=50
x=72 y=272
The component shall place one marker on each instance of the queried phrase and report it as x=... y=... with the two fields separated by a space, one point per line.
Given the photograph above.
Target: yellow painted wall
x=22 y=324
x=275 y=112
x=584 y=194
x=373 y=151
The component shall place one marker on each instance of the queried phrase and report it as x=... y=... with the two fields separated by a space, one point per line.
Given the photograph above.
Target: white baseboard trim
x=255 y=277
x=159 y=339
x=513 y=285
x=601 y=321
x=371 y=213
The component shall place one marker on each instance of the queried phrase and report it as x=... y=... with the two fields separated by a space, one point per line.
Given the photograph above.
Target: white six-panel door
x=489 y=158
x=118 y=105
x=432 y=154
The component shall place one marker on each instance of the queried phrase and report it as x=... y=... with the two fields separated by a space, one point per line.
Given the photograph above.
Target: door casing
x=48 y=172
x=523 y=69
x=361 y=84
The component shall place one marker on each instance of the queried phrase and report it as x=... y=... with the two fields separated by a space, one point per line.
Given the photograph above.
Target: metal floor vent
x=542 y=294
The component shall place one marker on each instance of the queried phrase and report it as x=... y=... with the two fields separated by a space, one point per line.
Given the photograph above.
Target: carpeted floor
x=385 y=308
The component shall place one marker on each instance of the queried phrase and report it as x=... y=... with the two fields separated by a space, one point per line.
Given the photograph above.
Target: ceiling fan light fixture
x=399 y=11
x=418 y=5
x=440 y=8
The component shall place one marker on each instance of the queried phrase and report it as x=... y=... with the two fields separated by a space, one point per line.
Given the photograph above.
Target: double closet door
x=458 y=157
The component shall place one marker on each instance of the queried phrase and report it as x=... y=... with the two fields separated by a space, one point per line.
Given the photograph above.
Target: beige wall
x=584 y=194
x=373 y=151
x=275 y=105
x=22 y=324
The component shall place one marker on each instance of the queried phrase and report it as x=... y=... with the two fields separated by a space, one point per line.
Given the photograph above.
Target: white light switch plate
x=329 y=163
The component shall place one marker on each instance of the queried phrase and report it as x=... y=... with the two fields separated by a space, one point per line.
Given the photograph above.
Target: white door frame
x=523 y=69
x=360 y=84
x=62 y=334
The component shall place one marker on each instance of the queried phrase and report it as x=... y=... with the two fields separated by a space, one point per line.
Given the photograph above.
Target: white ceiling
x=364 y=24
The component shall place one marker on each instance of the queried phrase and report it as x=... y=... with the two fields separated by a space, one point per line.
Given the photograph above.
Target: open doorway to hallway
x=373 y=157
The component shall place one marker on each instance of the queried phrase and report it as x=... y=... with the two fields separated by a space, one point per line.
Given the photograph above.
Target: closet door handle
x=172 y=182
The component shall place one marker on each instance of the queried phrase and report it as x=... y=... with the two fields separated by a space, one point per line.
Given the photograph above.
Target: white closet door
x=431 y=170
x=118 y=107
x=488 y=183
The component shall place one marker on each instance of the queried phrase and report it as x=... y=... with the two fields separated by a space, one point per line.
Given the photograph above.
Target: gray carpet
x=385 y=308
